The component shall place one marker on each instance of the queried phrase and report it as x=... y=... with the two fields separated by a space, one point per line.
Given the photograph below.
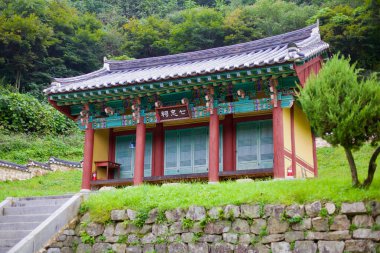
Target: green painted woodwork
x=125 y=155
x=169 y=86
x=187 y=151
x=254 y=145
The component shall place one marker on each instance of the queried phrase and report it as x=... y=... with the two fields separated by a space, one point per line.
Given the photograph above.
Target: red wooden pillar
x=278 y=144
x=158 y=150
x=228 y=143
x=140 y=153
x=88 y=156
x=213 y=168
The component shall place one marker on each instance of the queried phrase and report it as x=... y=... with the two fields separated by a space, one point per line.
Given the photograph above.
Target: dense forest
x=41 y=39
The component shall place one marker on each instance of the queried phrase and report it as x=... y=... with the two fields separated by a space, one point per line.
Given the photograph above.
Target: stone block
x=176 y=228
x=133 y=249
x=363 y=221
x=215 y=212
x=68 y=232
x=119 y=215
x=272 y=238
x=250 y=211
x=305 y=224
x=160 y=229
x=337 y=235
x=305 y=247
x=187 y=237
x=197 y=227
x=245 y=239
x=133 y=239
x=230 y=238
x=280 y=247
x=148 y=238
x=101 y=247
x=320 y=224
x=152 y=215
x=330 y=207
x=378 y=220
x=341 y=222
x=69 y=250
x=54 y=250
x=221 y=247
x=375 y=208
x=353 y=208
x=132 y=215
x=120 y=229
x=277 y=226
x=175 y=215
x=83 y=248
x=178 y=247
x=292 y=236
x=145 y=229
x=160 y=248
x=330 y=247
x=277 y=211
x=295 y=211
x=364 y=233
x=359 y=246
x=148 y=248
x=218 y=227
x=313 y=209
x=240 y=226
x=210 y=238
x=94 y=229
x=231 y=211
x=198 y=247
x=109 y=230
x=258 y=225
x=196 y=213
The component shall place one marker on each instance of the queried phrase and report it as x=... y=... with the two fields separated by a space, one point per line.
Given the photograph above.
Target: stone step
x=24 y=218
x=8 y=242
x=19 y=226
x=29 y=210
x=13 y=234
x=4 y=249
x=38 y=202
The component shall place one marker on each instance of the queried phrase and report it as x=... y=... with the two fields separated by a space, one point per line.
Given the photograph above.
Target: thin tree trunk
x=371 y=168
x=351 y=162
x=18 y=80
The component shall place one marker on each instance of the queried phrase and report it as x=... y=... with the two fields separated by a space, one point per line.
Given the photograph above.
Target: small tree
x=344 y=110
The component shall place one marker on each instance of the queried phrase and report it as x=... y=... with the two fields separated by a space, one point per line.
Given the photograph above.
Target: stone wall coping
x=13 y=165
x=54 y=160
x=44 y=166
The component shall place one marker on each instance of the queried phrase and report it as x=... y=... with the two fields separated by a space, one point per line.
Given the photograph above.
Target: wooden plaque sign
x=173 y=113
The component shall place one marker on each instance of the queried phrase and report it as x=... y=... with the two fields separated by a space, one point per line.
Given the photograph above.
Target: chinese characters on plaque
x=173 y=113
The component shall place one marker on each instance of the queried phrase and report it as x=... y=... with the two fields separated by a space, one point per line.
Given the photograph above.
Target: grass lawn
x=56 y=183
x=19 y=148
x=333 y=184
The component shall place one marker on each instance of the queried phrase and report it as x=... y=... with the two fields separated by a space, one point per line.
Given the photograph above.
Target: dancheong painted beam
x=214 y=114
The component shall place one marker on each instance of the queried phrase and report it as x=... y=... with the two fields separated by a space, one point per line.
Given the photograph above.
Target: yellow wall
x=287 y=129
x=303 y=138
x=101 y=141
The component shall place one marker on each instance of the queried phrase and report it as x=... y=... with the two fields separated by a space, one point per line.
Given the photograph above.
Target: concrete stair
x=20 y=216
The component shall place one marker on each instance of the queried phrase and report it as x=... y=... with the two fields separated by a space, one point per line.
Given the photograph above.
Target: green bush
x=25 y=114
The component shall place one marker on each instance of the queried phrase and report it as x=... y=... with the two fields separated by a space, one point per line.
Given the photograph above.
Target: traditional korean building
x=220 y=113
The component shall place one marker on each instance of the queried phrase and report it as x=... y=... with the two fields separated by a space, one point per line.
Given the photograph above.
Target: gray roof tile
x=267 y=51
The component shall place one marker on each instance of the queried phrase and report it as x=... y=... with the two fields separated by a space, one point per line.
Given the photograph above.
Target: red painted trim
x=63 y=109
x=191 y=125
x=111 y=146
x=228 y=143
x=278 y=144
x=140 y=153
x=213 y=168
x=253 y=118
x=293 y=137
x=88 y=157
x=304 y=71
x=315 y=155
x=158 y=150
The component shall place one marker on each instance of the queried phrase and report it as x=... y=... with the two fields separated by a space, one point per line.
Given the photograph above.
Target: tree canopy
x=41 y=39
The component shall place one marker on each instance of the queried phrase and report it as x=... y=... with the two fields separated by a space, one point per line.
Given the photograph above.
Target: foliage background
x=41 y=39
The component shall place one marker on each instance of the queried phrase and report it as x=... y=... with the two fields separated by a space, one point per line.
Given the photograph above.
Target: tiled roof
x=45 y=166
x=64 y=162
x=12 y=166
x=289 y=47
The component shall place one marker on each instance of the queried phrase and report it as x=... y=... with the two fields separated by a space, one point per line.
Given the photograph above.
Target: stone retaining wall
x=12 y=171
x=311 y=228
